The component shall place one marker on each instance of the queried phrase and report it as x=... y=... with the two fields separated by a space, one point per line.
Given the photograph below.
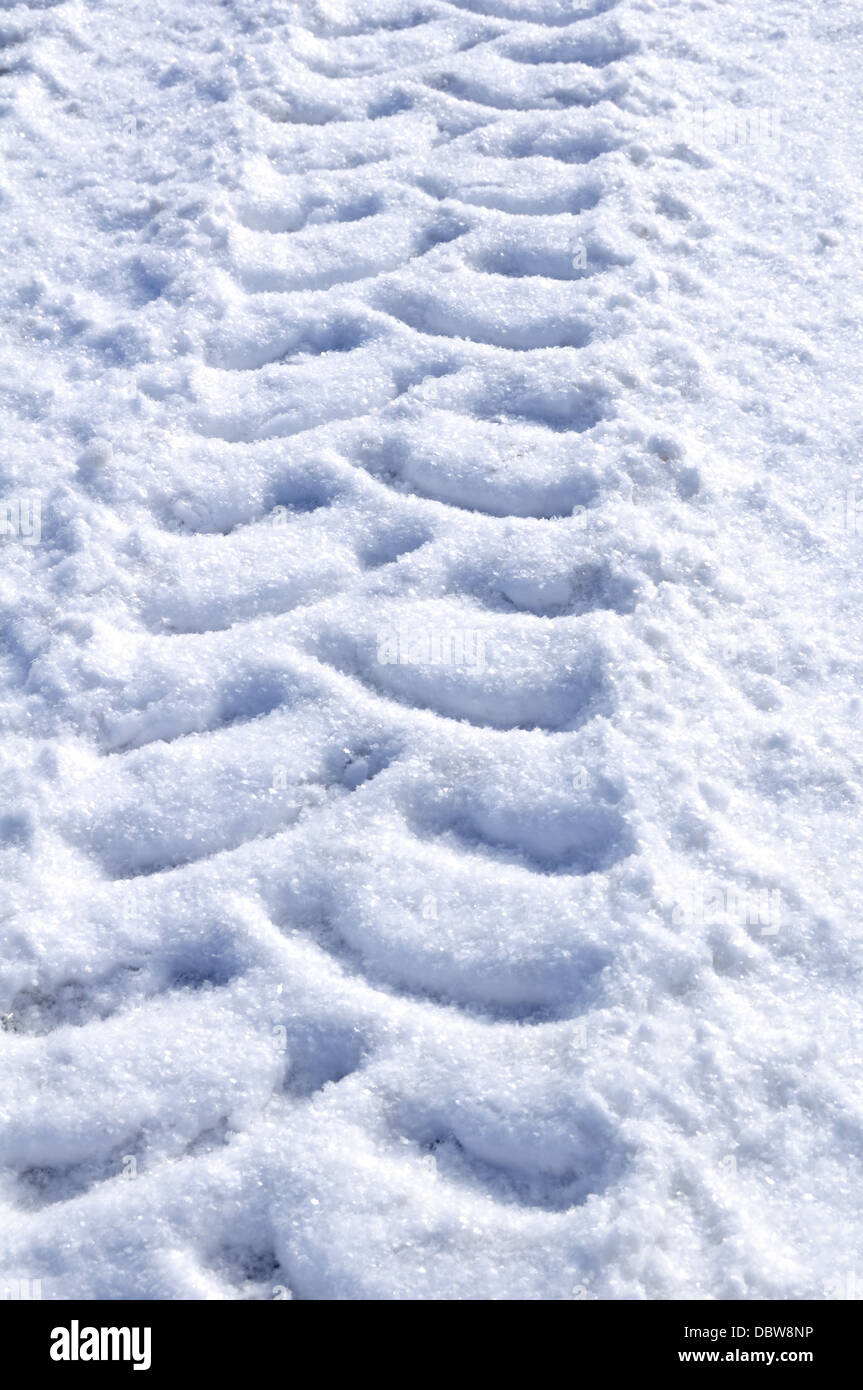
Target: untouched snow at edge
x=329 y=970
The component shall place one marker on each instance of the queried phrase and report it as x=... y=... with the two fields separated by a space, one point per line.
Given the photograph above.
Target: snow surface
x=432 y=649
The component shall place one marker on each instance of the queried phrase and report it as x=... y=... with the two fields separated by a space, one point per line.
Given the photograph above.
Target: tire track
x=426 y=314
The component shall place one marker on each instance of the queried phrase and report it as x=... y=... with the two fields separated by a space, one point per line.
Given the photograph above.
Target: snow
x=431 y=649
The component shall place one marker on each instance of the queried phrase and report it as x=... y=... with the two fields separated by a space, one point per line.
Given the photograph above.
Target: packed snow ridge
x=431 y=658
